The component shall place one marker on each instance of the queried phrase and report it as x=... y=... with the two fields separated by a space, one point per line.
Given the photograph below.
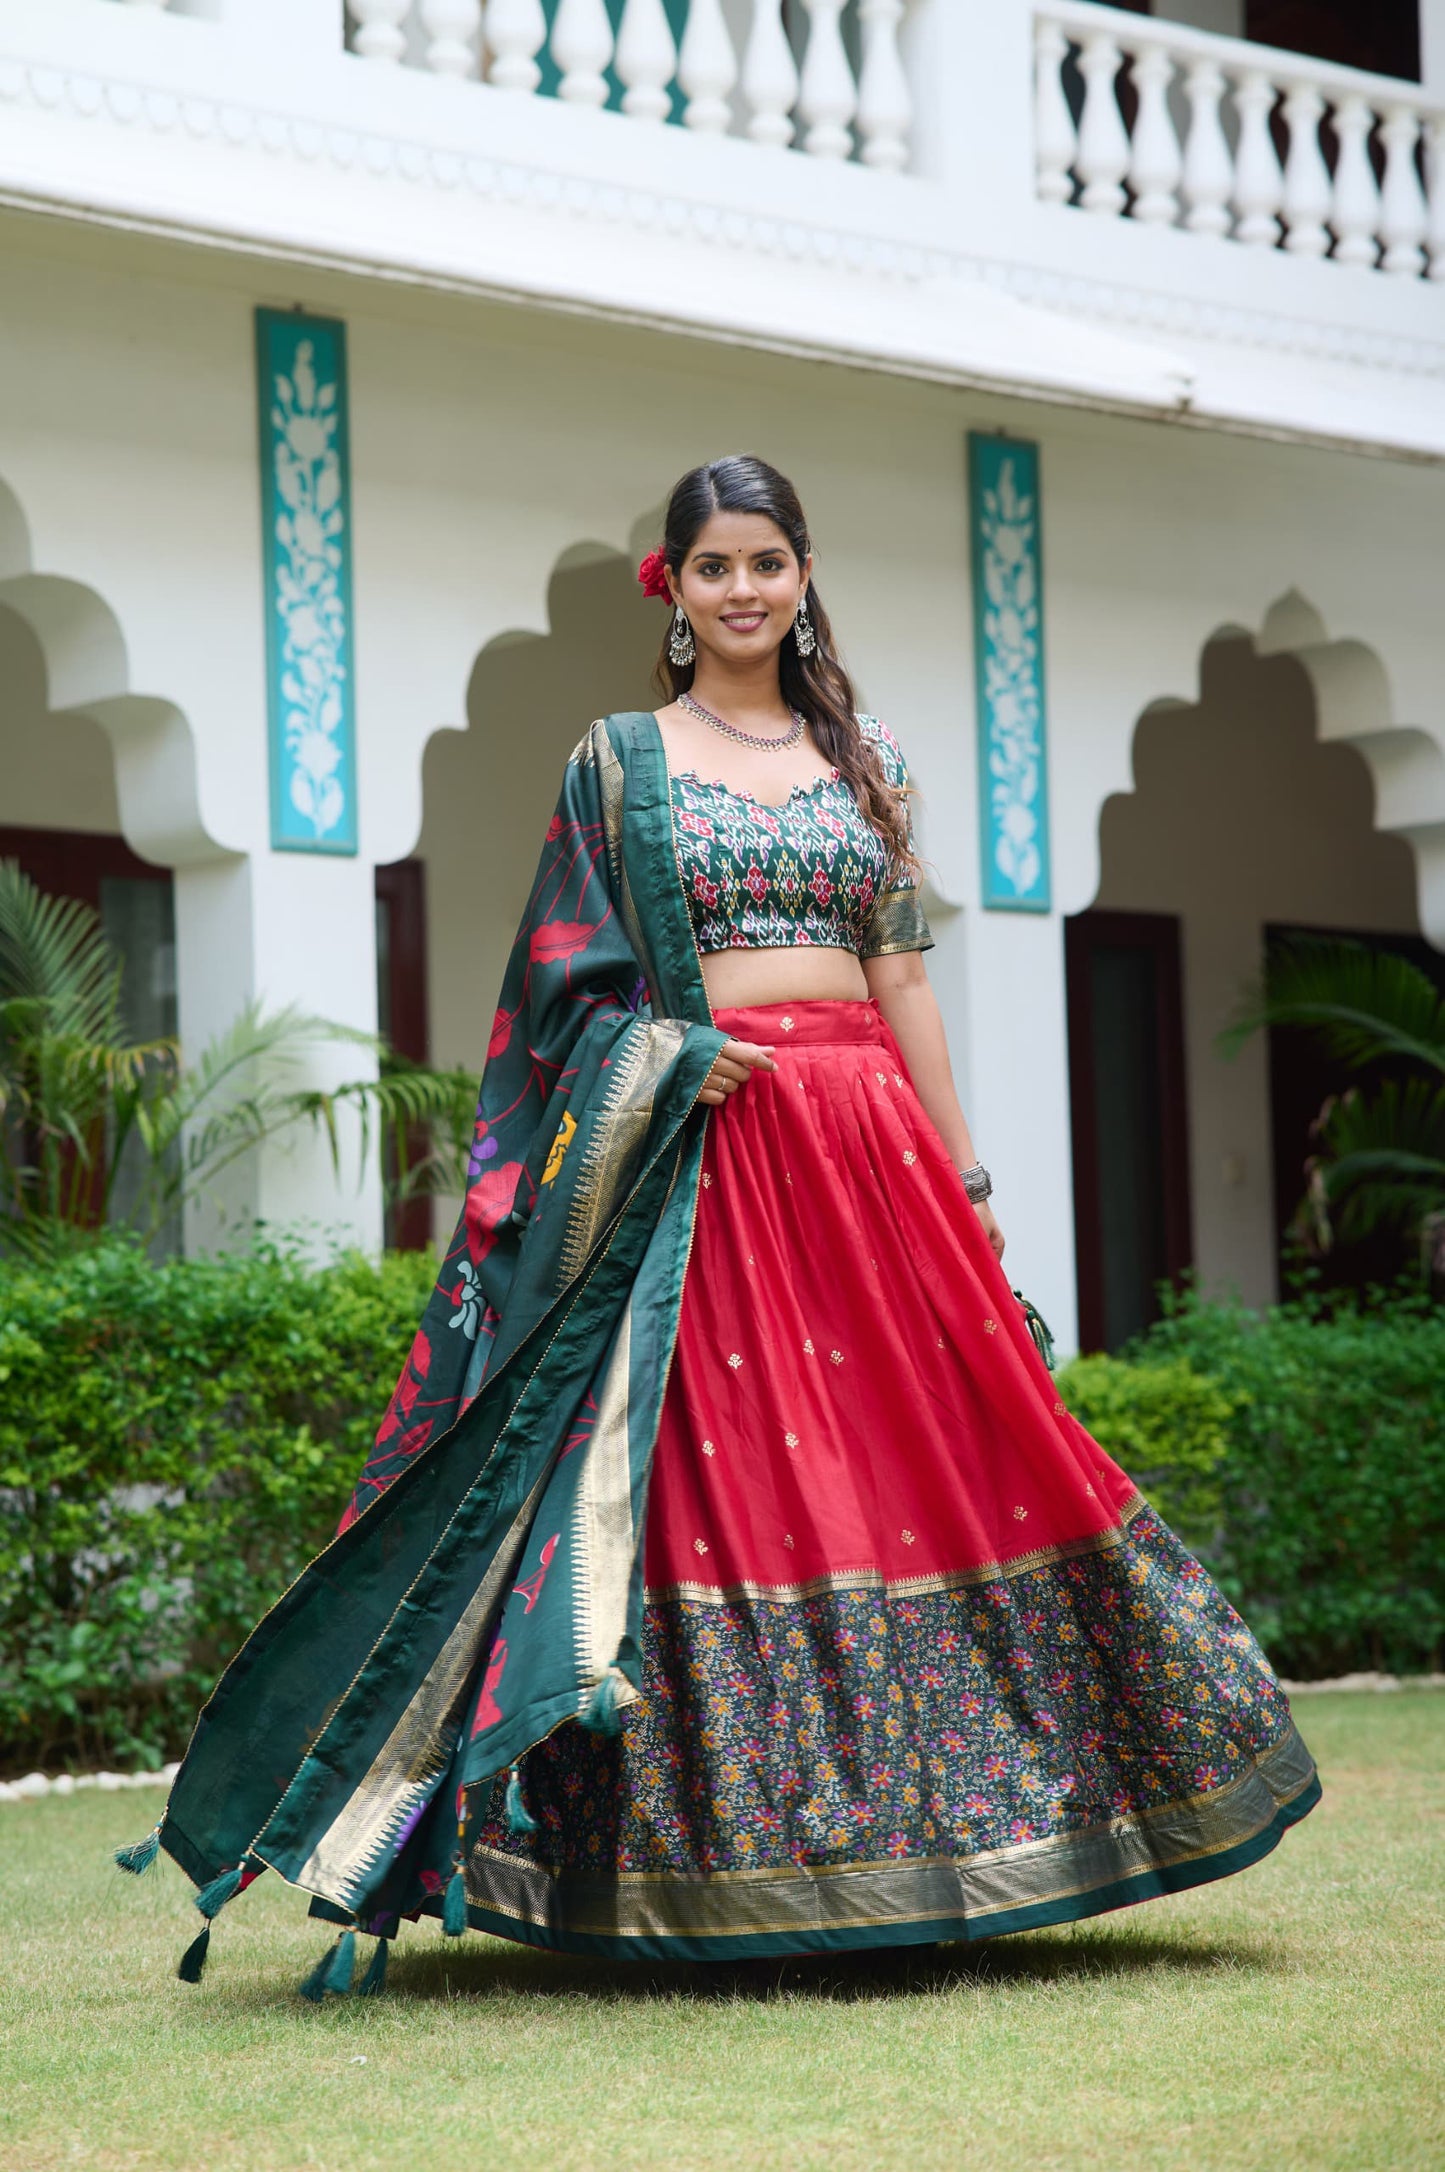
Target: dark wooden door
x=1130 y=1122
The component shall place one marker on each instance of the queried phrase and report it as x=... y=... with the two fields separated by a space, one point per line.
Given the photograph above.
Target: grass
x=1291 y=2017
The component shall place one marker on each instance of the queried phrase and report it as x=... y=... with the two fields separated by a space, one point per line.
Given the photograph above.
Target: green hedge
x=175 y=1442
x=1302 y=1454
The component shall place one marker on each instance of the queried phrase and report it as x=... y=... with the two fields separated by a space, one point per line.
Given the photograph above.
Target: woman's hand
x=990 y=1227
x=735 y=1064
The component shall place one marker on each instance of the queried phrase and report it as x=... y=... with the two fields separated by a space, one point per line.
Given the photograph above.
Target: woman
x=723 y=1434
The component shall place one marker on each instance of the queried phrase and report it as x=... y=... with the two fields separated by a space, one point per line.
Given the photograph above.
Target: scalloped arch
x=87 y=673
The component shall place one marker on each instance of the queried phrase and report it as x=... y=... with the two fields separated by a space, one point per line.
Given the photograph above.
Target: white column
x=1155 y=165
x=378 y=34
x=453 y=27
x=1208 y=168
x=646 y=60
x=1355 y=213
x=1307 y=189
x=1435 y=176
x=1055 y=137
x=707 y=68
x=514 y=30
x=1403 y=216
x=582 y=47
x=1103 y=156
x=1258 y=179
x=828 y=96
x=885 y=104
x=770 y=78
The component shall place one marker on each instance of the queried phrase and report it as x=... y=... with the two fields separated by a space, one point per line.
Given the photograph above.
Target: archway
x=100 y=792
x=1284 y=796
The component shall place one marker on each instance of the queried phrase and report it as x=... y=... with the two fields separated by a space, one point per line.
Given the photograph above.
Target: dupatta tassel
x=519 y=1817
x=140 y=1855
x=212 y=1898
x=333 y=1972
x=192 y=1964
x=454 y=1905
x=1038 y=1327
x=602 y=1713
x=373 y=1983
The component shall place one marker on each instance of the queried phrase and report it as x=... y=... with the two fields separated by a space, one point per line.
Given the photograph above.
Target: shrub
x=1330 y=1529
x=1168 y=1425
x=176 y=1441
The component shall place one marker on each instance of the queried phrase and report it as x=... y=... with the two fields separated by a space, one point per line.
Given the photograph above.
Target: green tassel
x=193 y=1960
x=315 y=1985
x=373 y=1983
x=342 y=1966
x=137 y=1858
x=1038 y=1327
x=454 y=1905
x=602 y=1714
x=519 y=1817
x=212 y=1898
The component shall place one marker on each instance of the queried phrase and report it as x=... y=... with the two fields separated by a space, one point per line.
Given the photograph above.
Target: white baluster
x=770 y=78
x=827 y=94
x=1155 y=164
x=1355 y=212
x=1258 y=180
x=515 y=31
x=707 y=68
x=582 y=47
x=379 y=35
x=1055 y=140
x=1306 y=176
x=885 y=104
x=646 y=60
x=1404 y=215
x=453 y=25
x=1208 y=167
x=1435 y=173
x=1103 y=153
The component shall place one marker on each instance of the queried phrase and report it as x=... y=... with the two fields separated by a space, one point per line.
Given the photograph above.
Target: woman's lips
x=743 y=620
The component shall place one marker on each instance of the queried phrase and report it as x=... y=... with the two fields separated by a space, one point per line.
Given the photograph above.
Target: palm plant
x=1381 y=1145
x=78 y=1093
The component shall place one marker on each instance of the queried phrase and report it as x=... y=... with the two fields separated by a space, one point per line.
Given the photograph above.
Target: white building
x=578 y=246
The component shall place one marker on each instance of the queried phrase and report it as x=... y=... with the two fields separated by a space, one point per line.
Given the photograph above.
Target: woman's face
x=740 y=586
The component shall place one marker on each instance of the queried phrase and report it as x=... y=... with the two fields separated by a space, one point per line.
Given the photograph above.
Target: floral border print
x=1008 y=638
x=306 y=557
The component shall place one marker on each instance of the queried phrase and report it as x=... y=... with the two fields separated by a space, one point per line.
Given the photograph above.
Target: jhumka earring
x=680 y=645
x=803 y=632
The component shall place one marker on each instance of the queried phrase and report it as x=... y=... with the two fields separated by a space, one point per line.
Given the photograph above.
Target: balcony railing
x=825 y=76
x=1167 y=126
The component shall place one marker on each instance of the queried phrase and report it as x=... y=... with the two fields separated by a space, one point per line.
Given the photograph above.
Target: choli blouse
x=812 y=870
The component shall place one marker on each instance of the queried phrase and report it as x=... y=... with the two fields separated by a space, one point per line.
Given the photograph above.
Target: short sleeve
x=896 y=922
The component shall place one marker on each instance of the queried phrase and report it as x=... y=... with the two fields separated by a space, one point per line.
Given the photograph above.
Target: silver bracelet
x=977 y=1183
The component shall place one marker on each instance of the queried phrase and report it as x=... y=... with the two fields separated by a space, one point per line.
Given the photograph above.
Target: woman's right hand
x=733 y=1066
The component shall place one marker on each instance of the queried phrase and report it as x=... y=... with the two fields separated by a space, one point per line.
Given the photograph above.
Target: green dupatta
x=486 y=1585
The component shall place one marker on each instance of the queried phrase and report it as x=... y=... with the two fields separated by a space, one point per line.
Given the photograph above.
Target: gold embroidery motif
x=882 y=1077
x=708 y=1449
x=835 y=1357
x=808 y=1349
x=706 y=1181
x=791 y=1439
x=990 y=1327
x=735 y=1361
x=1060 y=1411
x=788 y=1539
x=907 y=1537
x=909 y=1157
x=562 y=1139
x=1019 y=1514
x=786 y=1024
x=699 y=1546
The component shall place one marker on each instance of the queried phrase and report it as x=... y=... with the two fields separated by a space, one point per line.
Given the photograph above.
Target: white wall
x=1239 y=817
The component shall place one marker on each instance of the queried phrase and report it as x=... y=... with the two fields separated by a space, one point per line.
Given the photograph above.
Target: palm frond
x=1381 y=1162
x=55 y=953
x=1364 y=1004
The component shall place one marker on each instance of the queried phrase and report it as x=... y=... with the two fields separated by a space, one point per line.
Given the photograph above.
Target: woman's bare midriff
x=804 y=973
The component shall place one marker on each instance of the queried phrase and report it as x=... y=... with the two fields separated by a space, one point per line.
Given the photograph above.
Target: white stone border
x=36 y=1784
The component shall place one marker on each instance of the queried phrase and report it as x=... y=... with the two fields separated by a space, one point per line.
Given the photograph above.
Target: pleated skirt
x=919 y=1662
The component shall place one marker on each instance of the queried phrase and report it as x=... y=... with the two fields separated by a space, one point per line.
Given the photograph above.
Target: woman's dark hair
x=817 y=686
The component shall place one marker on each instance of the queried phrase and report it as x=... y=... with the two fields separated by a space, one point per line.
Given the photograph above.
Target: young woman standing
x=727 y=1578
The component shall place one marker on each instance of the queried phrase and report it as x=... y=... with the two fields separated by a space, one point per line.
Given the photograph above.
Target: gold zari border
x=907 y=1587
x=864 y=1896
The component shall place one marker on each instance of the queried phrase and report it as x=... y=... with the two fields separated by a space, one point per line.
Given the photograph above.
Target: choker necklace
x=789 y=738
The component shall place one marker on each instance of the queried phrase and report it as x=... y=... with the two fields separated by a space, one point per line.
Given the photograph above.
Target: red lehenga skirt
x=919 y=1661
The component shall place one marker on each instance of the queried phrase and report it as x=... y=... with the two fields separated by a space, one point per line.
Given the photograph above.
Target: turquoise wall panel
x=306 y=559
x=1008 y=638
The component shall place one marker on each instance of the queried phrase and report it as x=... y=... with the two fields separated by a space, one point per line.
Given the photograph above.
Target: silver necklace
x=790 y=738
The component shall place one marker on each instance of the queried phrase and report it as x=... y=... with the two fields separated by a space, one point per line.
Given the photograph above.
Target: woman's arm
x=899 y=985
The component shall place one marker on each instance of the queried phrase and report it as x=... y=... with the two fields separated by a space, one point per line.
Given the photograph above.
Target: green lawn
x=1289 y=2018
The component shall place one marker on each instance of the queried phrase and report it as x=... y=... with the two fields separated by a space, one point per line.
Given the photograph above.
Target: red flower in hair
x=653 y=575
